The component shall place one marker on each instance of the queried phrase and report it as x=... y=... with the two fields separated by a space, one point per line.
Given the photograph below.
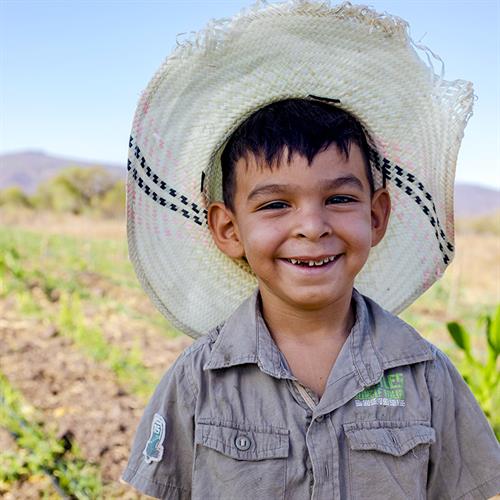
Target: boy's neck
x=287 y=323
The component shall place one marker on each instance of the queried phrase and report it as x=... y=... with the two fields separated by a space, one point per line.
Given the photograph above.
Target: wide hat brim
x=364 y=62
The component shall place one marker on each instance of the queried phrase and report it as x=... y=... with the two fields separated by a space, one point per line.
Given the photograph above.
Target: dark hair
x=302 y=126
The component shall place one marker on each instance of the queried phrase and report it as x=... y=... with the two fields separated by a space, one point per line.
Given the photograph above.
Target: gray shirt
x=230 y=421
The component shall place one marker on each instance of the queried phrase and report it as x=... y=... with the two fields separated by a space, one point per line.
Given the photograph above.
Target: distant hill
x=27 y=169
x=472 y=201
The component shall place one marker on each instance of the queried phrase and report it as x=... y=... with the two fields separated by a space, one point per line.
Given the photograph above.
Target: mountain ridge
x=27 y=169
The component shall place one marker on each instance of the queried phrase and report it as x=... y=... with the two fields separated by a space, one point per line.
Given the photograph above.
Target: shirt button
x=320 y=418
x=242 y=443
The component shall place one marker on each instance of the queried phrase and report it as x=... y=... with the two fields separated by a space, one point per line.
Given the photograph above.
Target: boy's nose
x=313 y=225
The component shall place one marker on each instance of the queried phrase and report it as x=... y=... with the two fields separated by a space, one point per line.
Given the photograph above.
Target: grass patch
x=59 y=264
x=41 y=452
x=49 y=288
x=57 y=253
x=127 y=367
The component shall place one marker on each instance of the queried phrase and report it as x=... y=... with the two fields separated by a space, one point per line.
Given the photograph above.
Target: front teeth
x=312 y=263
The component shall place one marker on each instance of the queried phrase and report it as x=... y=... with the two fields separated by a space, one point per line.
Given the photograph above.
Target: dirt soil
x=77 y=397
x=128 y=332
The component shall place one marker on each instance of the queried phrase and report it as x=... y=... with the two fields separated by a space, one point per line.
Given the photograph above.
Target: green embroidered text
x=389 y=391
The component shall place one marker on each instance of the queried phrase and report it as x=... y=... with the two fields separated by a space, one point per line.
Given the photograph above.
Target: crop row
x=42 y=282
x=41 y=452
x=40 y=293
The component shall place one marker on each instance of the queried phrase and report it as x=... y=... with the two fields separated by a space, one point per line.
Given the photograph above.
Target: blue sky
x=71 y=71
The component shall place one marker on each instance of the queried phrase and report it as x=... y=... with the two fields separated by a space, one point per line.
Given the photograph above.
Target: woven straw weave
x=211 y=83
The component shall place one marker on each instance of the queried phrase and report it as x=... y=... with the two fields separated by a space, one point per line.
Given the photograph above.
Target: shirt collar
x=245 y=338
x=378 y=341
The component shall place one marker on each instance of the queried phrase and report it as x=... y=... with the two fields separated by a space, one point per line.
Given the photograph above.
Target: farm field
x=82 y=348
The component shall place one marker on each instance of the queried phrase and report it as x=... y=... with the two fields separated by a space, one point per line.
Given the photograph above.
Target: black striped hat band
x=403 y=180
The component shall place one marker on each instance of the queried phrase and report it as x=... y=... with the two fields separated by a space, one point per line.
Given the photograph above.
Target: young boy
x=267 y=152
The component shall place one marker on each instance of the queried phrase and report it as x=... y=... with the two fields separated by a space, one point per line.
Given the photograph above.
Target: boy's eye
x=339 y=199
x=275 y=205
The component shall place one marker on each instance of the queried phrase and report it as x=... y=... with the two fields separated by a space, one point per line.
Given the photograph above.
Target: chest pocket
x=239 y=461
x=387 y=460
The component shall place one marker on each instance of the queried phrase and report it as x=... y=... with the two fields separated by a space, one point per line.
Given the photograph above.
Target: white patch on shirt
x=153 y=452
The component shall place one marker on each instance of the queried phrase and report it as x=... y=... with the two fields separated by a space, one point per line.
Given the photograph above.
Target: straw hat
x=364 y=61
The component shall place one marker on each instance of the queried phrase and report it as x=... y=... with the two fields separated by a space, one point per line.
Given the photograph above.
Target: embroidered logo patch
x=390 y=391
x=154 y=447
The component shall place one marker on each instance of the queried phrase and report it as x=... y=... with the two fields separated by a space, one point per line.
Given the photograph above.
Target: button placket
x=318 y=444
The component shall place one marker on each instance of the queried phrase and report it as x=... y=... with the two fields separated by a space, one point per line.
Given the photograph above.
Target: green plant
x=74 y=189
x=483 y=377
x=14 y=197
x=40 y=451
x=112 y=202
x=127 y=366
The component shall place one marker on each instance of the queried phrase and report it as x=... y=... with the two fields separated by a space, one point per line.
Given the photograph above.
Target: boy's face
x=306 y=230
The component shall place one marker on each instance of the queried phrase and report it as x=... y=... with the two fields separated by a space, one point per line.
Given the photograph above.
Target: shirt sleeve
x=160 y=461
x=465 y=460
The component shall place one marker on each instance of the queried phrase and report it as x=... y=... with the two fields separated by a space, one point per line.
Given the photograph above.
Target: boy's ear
x=222 y=224
x=381 y=209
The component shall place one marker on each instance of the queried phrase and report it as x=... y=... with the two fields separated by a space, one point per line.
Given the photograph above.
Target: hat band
x=403 y=180
x=189 y=210
x=415 y=189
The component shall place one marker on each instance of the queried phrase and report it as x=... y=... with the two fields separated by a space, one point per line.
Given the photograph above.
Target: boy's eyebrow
x=346 y=180
x=339 y=182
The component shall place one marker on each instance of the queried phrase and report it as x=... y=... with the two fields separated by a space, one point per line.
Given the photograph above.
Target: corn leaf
x=460 y=336
x=493 y=331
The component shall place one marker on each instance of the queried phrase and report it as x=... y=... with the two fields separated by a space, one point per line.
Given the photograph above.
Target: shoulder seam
x=195 y=347
x=188 y=367
x=188 y=354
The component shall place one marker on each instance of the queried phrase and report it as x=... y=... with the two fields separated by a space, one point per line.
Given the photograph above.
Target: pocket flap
x=395 y=441
x=243 y=442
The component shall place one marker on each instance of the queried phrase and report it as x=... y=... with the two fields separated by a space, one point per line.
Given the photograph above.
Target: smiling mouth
x=313 y=263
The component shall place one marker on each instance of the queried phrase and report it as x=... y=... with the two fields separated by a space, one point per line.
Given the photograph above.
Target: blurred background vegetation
x=82 y=348
x=75 y=190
